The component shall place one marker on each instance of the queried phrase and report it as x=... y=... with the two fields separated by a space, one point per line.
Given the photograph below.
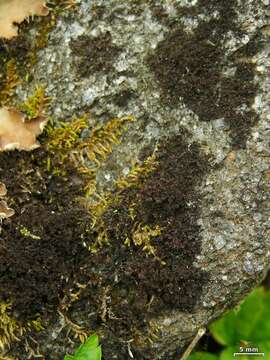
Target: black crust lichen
x=167 y=198
x=124 y=287
x=42 y=243
x=95 y=53
x=190 y=66
x=140 y=286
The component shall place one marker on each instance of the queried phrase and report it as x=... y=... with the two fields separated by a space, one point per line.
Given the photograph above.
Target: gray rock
x=224 y=107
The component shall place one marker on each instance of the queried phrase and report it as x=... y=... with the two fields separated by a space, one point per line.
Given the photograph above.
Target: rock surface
x=195 y=76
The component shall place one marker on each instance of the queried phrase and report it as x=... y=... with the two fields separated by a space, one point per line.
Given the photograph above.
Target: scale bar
x=251 y=353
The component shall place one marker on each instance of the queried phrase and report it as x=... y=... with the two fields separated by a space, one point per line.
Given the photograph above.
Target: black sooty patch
x=95 y=53
x=41 y=245
x=192 y=67
x=139 y=285
x=167 y=198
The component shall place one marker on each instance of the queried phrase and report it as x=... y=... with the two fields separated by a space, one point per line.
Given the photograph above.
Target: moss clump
x=66 y=145
x=102 y=202
x=9 y=80
x=44 y=241
x=35 y=104
x=166 y=199
x=11 y=328
x=137 y=173
x=63 y=142
x=142 y=236
x=27 y=233
x=145 y=238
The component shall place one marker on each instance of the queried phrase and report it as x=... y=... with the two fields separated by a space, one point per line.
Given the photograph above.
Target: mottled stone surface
x=222 y=101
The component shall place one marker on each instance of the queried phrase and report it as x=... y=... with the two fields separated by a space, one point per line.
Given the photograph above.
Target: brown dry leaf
x=3 y=189
x=18 y=133
x=15 y=11
x=5 y=211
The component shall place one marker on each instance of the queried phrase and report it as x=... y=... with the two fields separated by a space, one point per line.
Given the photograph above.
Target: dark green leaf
x=224 y=329
x=91 y=343
x=251 y=323
x=202 y=356
x=90 y=350
x=253 y=319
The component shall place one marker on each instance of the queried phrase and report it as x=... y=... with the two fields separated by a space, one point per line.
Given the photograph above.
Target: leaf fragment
x=18 y=133
x=15 y=11
x=5 y=211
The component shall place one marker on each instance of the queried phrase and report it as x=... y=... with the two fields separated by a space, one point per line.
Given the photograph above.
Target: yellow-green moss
x=11 y=329
x=66 y=137
x=35 y=104
x=10 y=82
x=27 y=233
x=137 y=173
x=65 y=144
x=142 y=235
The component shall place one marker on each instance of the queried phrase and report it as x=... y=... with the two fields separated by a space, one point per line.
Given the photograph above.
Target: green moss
x=35 y=105
x=65 y=145
x=101 y=203
x=137 y=173
x=10 y=80
x=12 y=329
x=142 y=235
x=27 y=233
x=66 y=136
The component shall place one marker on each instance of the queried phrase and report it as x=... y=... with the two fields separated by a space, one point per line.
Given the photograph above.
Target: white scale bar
x=254 y=353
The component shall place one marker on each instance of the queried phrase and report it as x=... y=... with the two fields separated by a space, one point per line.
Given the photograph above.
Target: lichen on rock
x=147 y=202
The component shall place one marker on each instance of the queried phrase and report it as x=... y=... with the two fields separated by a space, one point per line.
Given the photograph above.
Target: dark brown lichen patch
x=159 y=13
x=123 y=97
x=16 y=48
x=133 y=285
x=191 y=67
x=41 y=246
x=167 y=199
x=126 y=286
x=95 y=53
